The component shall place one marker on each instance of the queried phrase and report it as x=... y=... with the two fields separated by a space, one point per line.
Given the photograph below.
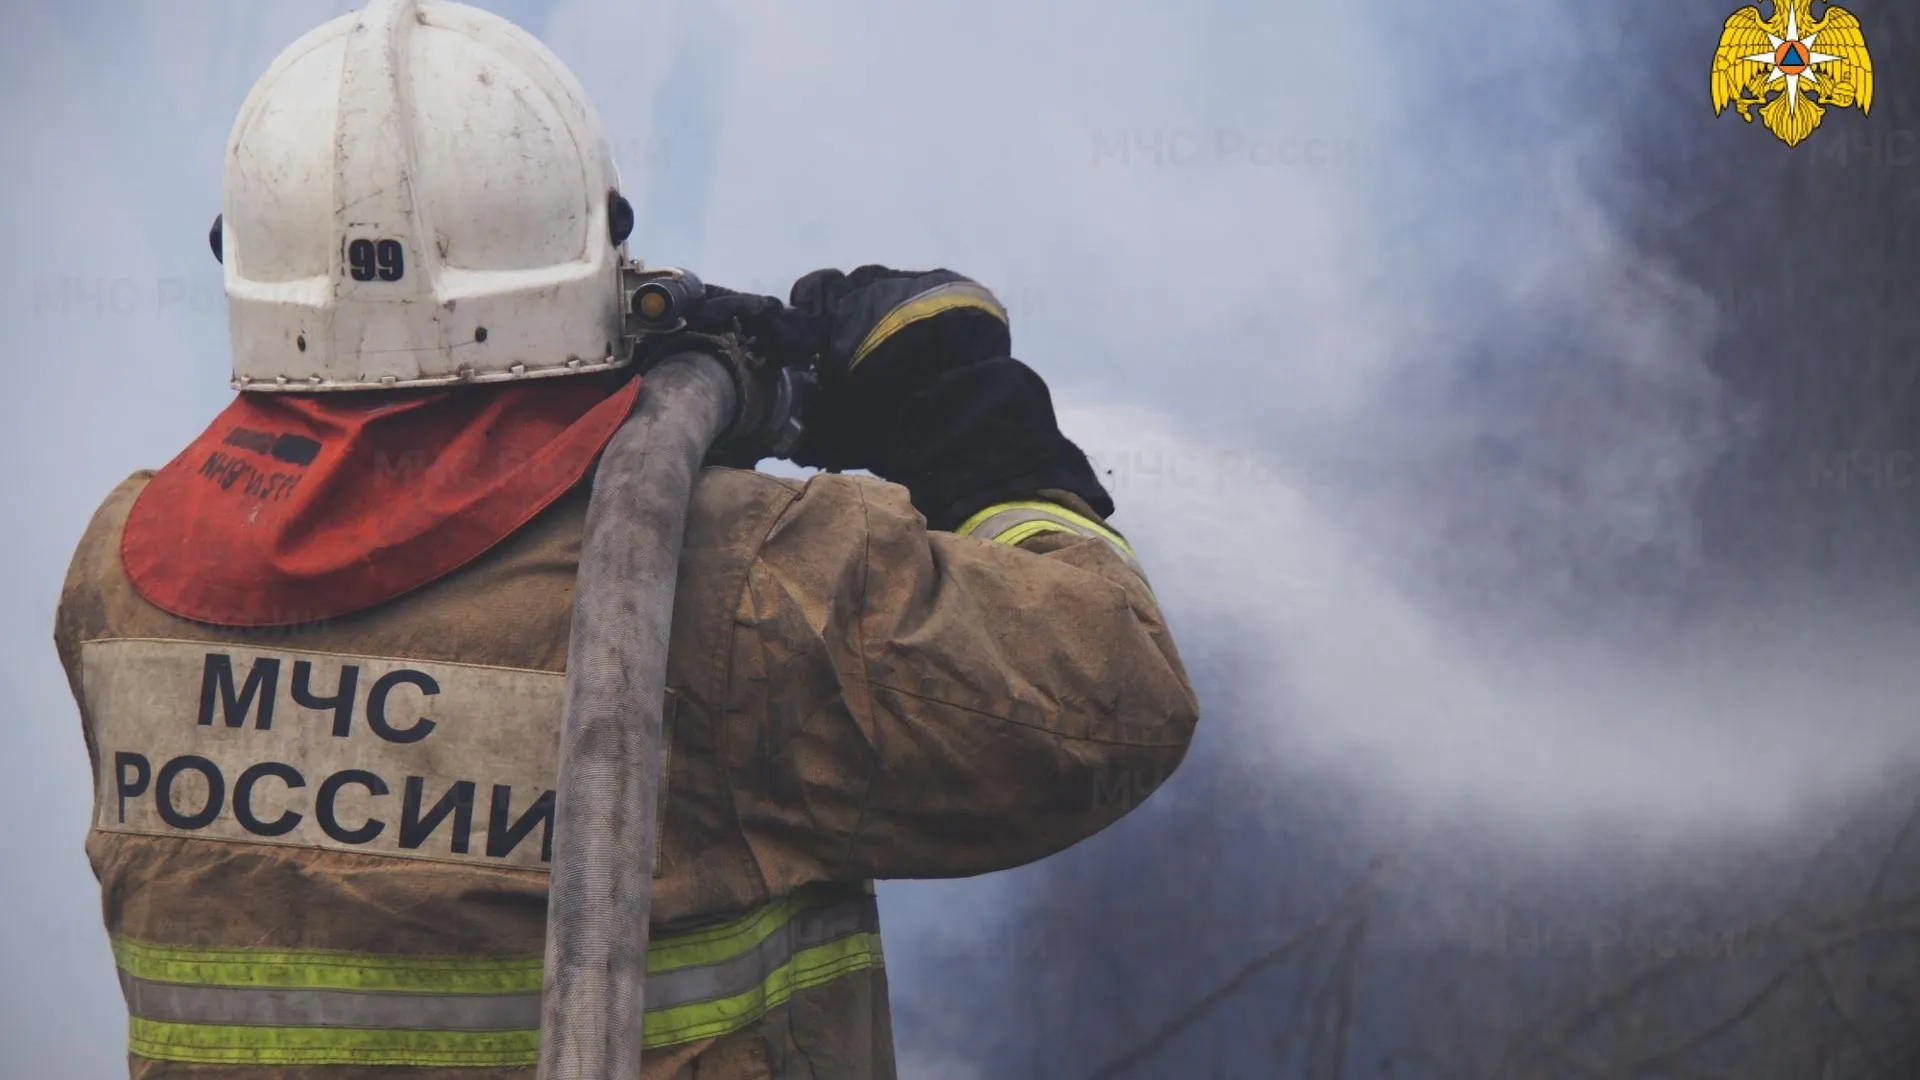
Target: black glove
x=767 y=339
x=895 y=330
x=916 y=385
x=776 y=333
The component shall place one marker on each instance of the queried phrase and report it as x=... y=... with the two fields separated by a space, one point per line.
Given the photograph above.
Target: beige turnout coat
x=321 y=850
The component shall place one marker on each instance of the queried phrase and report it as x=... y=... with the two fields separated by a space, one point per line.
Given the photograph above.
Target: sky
x=1292 y=270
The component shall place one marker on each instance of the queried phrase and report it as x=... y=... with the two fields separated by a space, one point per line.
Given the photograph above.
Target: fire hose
x=703 y=393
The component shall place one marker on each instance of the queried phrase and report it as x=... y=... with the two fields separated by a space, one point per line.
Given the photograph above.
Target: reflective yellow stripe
x=1027 y=530
x=320 y=969
x=1014 y=522
x=808 y=968
x=708 y=982
x=208 y=1044
x=1051 y=510
x=307 y=1046
x=948 y=297
x=710 y=945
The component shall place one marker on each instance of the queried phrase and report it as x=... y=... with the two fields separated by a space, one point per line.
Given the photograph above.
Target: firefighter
x=319 y=656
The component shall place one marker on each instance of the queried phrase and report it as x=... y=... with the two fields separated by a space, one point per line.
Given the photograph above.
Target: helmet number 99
x=368 y=259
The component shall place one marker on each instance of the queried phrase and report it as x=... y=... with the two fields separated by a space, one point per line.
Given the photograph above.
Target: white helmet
x=419 y=194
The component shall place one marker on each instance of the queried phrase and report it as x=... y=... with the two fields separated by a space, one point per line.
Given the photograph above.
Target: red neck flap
x=298 y=507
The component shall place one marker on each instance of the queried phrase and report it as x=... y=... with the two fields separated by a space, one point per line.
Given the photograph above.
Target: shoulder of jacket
x=748 y=485
x=726 y=478
x=95 y=563
x=869 y=489
x=112 y=512
x=820 y=513
x=726 y=491
x=132 y=485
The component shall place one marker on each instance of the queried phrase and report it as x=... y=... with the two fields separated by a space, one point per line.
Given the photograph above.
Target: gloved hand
x=916 y=385
x=771 y=363
x=883 y=335
x=776 y=333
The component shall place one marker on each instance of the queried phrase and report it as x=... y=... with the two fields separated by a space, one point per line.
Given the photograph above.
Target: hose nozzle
x=661 y=301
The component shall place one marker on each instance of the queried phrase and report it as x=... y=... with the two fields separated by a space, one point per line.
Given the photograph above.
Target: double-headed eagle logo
x=1792 y=67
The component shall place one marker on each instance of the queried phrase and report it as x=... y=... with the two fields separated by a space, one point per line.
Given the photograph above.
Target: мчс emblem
x=1792 y=67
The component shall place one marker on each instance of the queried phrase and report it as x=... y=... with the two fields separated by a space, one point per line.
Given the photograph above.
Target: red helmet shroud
x=296 y=507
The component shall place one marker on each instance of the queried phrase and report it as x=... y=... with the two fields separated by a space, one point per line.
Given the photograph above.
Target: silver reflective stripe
x=1011 y=523
x=684 y=988
x=180 y=1003
x=710 y=982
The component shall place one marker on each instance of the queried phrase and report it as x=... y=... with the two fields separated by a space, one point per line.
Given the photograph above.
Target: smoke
x=1737 y=723
x=1413 y=433
x=1337 y=295
x=1332 y=291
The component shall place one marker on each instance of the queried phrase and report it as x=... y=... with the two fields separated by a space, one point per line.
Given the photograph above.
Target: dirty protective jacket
x=322 y=850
